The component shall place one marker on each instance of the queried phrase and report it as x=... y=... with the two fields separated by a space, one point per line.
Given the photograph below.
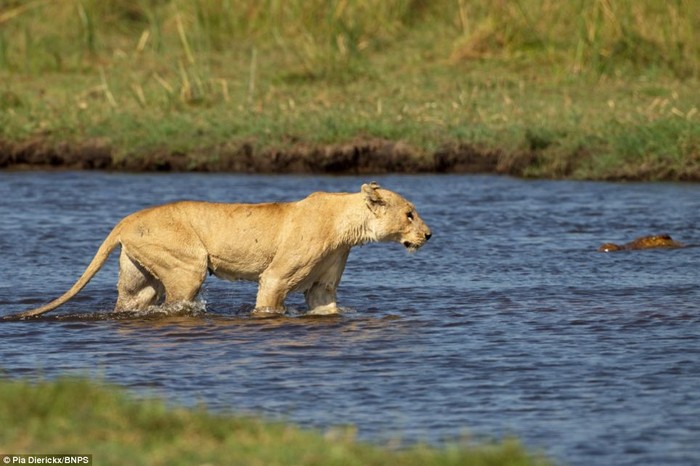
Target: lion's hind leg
x=178 y=273
x=137 y=287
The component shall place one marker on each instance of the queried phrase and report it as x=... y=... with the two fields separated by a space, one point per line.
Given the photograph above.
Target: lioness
x=167 y=250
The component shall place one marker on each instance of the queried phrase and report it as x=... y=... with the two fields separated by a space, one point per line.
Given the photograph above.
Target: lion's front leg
x=320 y=299
x=321 y=296
x=271 y=295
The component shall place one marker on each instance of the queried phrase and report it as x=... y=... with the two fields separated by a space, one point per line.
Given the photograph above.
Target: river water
x=508 y=322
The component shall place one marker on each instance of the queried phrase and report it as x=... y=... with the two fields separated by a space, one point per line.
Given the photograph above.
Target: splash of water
x=163 y=311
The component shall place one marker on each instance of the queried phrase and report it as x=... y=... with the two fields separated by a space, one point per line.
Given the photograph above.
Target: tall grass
x=317 y=38
x=595 y=36
x=181 y=45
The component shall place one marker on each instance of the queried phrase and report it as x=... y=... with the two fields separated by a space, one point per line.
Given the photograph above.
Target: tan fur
x=167 y=250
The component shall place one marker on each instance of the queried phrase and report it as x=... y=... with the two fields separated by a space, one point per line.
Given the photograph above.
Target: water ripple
x=507 y=322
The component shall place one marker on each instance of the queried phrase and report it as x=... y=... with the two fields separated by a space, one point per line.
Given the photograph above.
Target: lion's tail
x=98 y=261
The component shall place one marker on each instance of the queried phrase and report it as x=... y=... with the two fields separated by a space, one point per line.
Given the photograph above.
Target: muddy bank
x=360 y=156
x=356 y=157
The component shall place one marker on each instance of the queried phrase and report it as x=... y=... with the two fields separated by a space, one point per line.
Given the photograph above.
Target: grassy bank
x=81 y=417
x=603 y=89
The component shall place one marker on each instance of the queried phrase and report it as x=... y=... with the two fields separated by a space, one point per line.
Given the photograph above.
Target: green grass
x=583 y=89
x=76 y=416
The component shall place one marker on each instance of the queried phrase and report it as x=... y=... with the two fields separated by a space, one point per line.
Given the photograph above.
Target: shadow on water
x=195 y=313
x=178 y=310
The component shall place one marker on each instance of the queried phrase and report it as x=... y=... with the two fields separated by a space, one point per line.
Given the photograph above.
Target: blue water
x=508 y=322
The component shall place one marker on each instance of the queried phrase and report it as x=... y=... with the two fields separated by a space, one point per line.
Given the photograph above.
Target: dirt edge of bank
x=359 y=156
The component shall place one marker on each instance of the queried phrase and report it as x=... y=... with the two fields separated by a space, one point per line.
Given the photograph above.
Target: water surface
x=507 y=322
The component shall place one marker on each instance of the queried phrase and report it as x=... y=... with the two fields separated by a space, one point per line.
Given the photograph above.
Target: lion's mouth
x=411 y=246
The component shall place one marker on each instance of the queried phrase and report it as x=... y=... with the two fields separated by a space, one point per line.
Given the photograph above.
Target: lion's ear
x=372 y=196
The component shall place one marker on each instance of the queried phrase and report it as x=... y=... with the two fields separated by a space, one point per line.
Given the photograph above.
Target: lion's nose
x=428 y=235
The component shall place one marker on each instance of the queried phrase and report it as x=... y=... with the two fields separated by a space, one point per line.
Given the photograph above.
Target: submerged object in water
x=643 y=242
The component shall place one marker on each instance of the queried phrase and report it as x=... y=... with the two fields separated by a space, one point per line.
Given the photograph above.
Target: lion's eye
x=410 y=216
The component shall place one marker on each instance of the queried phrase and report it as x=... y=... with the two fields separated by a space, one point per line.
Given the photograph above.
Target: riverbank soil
x=359 y=156
x=592 y=90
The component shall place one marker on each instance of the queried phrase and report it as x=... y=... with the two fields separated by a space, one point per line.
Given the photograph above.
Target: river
x=508 y=322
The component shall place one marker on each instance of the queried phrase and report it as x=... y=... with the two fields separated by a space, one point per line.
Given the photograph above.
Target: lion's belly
x=240 y=267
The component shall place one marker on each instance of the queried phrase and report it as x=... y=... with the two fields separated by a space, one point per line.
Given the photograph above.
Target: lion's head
x=394 y=218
